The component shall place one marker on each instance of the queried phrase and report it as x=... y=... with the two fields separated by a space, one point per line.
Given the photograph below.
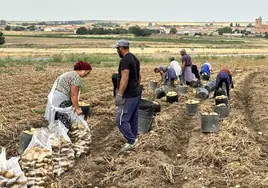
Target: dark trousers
x=219 y=85
x=127 y=118
x=114 y=80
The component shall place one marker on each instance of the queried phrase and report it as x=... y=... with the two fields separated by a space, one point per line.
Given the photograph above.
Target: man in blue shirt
x=205 y=71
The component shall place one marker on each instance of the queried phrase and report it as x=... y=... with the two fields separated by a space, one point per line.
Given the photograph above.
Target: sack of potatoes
x=81 y=138
x=36 y=161
x=11 y=174
x=62 y=155
x=62 y=148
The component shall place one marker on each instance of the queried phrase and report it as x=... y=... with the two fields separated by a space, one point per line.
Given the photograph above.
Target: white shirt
x=176 y=66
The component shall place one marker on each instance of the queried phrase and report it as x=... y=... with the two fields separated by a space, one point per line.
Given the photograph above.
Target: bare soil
x=174 y=154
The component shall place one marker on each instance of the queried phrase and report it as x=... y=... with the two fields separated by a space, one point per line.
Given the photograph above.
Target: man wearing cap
x=186 y=65
x=129 y=94
x=176 y=66
x=168 y=75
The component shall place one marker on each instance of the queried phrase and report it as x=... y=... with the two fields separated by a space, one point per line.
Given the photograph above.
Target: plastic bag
x=36 y=161
x=10 y=172
x=41 y=139
x=62 y=151
x=3 y=161
x=80 y=135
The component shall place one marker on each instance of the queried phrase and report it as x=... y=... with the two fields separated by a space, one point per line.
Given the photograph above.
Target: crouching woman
x=225 y=77
x=64 y=95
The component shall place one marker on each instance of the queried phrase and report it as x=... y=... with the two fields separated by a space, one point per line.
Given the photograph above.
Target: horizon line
x=113 y=20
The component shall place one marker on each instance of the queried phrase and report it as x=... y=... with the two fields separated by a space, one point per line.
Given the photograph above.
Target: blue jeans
x=127 y=118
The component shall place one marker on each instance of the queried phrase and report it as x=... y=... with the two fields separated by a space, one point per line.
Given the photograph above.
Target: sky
x=135 y=10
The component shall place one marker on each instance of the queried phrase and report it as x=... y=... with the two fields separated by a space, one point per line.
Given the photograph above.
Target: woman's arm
x=74 y=99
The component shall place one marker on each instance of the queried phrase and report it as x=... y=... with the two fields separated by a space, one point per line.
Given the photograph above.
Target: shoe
x=128 y=146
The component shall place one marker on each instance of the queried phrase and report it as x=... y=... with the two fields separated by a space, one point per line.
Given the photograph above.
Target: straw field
x=174 y=154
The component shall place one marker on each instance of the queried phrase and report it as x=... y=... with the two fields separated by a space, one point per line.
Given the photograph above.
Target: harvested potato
x=38 y=166
x=63 y=155
x=221 y=97
x=81 y=139
x=192 y=102
x=172 y=94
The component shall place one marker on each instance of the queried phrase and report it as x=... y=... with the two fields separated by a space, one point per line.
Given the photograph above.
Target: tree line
x=136 y=30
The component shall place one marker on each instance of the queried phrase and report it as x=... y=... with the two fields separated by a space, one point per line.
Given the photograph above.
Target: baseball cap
x=121 y=43
x=183 y=50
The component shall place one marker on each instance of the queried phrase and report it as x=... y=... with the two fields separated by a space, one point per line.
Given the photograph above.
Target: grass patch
x=173 y=39
x=38 y=111
x=40 y=67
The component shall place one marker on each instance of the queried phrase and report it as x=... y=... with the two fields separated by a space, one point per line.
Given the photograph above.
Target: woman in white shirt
x=176 y=66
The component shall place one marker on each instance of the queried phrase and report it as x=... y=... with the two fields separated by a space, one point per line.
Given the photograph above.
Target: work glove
x=118 y=100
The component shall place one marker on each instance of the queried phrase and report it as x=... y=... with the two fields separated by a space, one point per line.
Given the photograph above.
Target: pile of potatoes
x=172 y=94
x=221 y=97
x=210 y=114
x=81 y=139
x=192 y=102
x=36 y=163
x=62 y=155
x=8 y=178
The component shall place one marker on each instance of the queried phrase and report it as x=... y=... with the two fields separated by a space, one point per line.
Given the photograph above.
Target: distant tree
x=173 y=30
x=231 y=24
x=31 y=27
x=2 y=38
x=18 y=28
x=200 y=34
x=224 y=30
x=41 y=23
x=7 y=28
x=81 y=31
x=137 y=31
x=25 y=24
x=150 y=24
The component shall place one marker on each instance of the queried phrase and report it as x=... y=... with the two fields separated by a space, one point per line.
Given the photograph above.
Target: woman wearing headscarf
x=186 y=65
x=224 y=76
x=64 y=95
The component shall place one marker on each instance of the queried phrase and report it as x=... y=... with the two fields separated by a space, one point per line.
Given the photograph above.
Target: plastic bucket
x=145 y=121
x=220 y=92
x=210 y=123
x=223 y=111
x=146 y=104
x=182 y=89
x=221 y=101
x=153 y=85
x=191 y=109
x=161 y=92
x=24 y=141
x=210 y=86
x=85 y=109
x=172 y=99
x=202 y=93
x=195 y=84
x=205 y=77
